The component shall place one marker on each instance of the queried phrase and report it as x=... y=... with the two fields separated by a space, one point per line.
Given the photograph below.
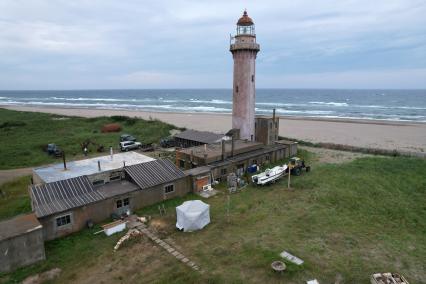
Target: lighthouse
x=244 y=50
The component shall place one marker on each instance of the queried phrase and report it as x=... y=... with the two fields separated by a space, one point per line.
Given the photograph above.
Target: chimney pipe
x=223 y=150
x=99 y=165
x=232 y=146
x=111 y=152
x=65 y=162
x=124 y=163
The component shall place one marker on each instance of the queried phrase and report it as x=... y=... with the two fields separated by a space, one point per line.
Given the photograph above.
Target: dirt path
x=9 y=175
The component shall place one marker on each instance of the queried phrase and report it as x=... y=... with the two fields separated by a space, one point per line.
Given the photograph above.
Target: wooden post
x=228 y=203
x=289 y=174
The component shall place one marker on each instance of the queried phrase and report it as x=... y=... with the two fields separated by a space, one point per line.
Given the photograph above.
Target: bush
x=9 y=124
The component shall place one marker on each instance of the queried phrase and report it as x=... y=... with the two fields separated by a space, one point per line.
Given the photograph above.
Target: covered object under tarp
x=192 y=215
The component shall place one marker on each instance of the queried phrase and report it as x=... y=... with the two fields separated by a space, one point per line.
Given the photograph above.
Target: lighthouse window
x=236 y=89
x=252 y=78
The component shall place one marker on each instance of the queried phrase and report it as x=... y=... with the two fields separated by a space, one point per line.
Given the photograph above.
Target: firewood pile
x=131 y=234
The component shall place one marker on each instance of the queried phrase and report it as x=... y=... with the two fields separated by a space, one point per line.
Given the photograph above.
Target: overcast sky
x=101 y=44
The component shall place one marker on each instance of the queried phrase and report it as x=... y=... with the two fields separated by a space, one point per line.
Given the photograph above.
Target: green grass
x=25 y=134
x=344 y=220
x=70 y=254
x=351 y=219
x=14 y=199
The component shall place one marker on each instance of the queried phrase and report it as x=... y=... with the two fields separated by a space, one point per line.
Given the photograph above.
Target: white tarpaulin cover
x=192 y=215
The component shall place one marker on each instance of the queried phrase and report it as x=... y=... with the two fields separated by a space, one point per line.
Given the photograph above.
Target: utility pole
x=289 y=174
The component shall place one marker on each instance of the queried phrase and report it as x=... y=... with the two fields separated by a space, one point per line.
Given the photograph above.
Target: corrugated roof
x=59 y=196
x=89 y=166
x=18 y=225
x=154 y=173
x=200 y=136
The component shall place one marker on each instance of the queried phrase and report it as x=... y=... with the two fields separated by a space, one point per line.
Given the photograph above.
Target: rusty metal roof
x=18 y=225
x=59 y=196
x=153 y=173
x=200 y=136
x=245 y=20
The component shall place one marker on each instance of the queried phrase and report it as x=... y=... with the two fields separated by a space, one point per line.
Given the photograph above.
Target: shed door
x=200 y=182
x=122 y=205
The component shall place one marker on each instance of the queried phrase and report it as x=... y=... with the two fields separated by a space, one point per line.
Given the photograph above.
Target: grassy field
x=345 y=221
x=25 y=134
x=14 y=198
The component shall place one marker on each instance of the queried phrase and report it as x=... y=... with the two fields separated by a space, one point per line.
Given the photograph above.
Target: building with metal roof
x=68 y=205
x=60 y=196
x=88 y=167
x=189 y=138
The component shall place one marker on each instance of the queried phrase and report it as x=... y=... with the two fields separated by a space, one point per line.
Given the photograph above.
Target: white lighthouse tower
x=244 y=50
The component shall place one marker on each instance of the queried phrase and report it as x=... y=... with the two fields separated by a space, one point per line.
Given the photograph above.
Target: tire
x=297 y=171
x=127 y=149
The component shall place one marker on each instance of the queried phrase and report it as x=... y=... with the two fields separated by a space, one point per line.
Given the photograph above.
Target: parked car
x=54 y=150
x=127 y=137
x=130 y=145
x=167 y=142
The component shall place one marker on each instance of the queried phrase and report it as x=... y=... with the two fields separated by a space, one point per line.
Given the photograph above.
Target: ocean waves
x=353 y=104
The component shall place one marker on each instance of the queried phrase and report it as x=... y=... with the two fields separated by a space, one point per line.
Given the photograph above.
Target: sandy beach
x=401 y=136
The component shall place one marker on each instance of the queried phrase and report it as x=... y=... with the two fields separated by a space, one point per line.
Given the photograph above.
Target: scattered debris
x=131 y=234
x=291 y=258
x=312 y=282
x=388 y=278
x=278 y=266
x=43 y=277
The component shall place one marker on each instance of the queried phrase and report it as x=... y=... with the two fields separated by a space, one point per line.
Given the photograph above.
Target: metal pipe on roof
x=232 y=146
x=111 y=152
x=63 y=159
x=223 y=150
x=99 y=165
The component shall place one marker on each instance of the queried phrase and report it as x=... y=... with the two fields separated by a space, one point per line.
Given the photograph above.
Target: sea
x=391 y=105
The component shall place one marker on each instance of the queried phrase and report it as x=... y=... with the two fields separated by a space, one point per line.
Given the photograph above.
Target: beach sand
x=400 y=136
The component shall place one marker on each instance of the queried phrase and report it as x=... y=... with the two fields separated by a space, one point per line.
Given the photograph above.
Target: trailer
x=269 y=176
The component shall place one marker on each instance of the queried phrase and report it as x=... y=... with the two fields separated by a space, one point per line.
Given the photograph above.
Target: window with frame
x=63 y=220
x=126 y=202
x=223 y=171
x=119 y=203
x=267 y=157
x=122 y=202
x=182 y=164
x=169 y=188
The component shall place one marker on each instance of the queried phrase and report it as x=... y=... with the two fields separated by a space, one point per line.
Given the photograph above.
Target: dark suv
x=127 y=137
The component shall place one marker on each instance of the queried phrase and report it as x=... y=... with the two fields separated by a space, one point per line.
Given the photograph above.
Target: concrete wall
x=243 y=102
x=21 y=250
x=266 y=130
x=100 y=211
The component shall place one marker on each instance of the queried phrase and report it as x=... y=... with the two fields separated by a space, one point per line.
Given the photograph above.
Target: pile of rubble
x=131 y=234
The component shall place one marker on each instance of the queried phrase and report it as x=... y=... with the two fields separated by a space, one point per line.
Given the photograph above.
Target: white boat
x=269 y=176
